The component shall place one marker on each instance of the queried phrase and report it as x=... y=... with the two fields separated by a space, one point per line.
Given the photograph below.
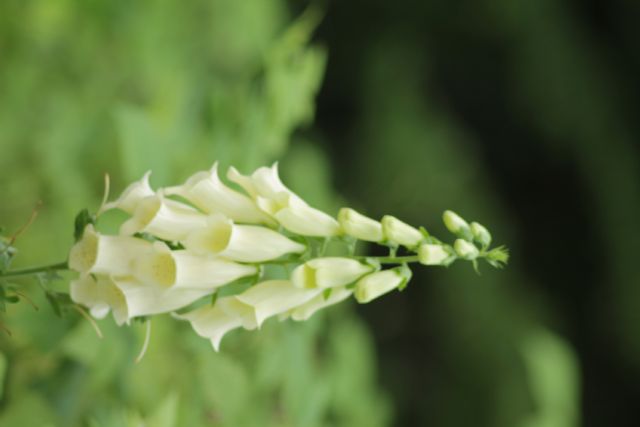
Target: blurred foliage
x=122 y=87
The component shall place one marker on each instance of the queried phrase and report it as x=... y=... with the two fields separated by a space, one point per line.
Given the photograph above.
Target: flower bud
x=400 y=233
x=306 y=310
x=377 y=284
x=184 y=269
x=208 y=193
x=481 y=234
x=213 y=322
x=429 y=254
x=328 y=272
x=131 y=196
x=244 y=243
x=97 y=253
x=163 y=218
x=274 y=297
x=360 y=226
x=456 y=225
x=465 y=249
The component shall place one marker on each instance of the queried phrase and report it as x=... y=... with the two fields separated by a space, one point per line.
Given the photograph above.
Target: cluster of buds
x=181 y=245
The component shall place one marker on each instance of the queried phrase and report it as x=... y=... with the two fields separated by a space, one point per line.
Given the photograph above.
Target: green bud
x=429 y=254
x=480 y=234
x=465 y=249
x=457 y=225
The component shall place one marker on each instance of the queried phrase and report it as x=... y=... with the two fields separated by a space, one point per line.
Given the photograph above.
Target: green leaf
x=83 y=218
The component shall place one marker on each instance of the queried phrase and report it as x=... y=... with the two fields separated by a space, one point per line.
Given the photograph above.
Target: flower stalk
x=174 y=257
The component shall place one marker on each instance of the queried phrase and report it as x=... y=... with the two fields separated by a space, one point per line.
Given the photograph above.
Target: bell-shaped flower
x=144 y=299
x=163 y=218
x=274 y=297
x=430 y=254
x=274 y=198
x=185 y=269
x=214 y=321
x=465 y=250
x=360 y=226
x=379 y=283
x=400 y=233
x=328 y=272
x=101 y=254
x=131 y=196
x=209 y=194
x=306 y=310
x=244 y=243
x=100 y=295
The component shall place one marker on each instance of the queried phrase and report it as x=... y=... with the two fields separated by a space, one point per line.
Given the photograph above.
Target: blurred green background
x=520 y=115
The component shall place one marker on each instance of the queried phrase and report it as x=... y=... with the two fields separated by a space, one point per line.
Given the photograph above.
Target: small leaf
x=83 y=219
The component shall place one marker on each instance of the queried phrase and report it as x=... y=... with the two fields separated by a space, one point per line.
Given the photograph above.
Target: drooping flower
x=245 y=243
x=131 y=196
x=328 y=272
x=359 y=226
x=163 y=218
x=286 y=207
x=128 y=298
x=306 y=310
x=274 y=297
x=208 y=193
x=187 y=270
x=102 y=254
x=213 y=322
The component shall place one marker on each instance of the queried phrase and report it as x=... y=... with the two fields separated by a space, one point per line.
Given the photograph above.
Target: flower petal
x=328 y=272
x=163 y=218
x=273 y=297
x=245 y=243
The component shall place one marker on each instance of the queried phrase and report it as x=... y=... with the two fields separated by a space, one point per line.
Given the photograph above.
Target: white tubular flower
x=145 y=300
x=328 y=272
x=164 y=218
x=213 y=322
x=97 y=253
x=100 y=295
x=208 y=193
x=465 y=249
x=274 y=297
x=274 y=198
x=429 y=254
x=128 y=298
x=360 y=226
x=184 y=269
x=131 y=196
x=245 y=243
x=400 y=233
x=306 y=310
x=377 y=284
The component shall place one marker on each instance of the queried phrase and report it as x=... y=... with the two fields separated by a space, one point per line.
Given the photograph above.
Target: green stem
x=381 y=259
x=35 y=270
x=392 y=259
